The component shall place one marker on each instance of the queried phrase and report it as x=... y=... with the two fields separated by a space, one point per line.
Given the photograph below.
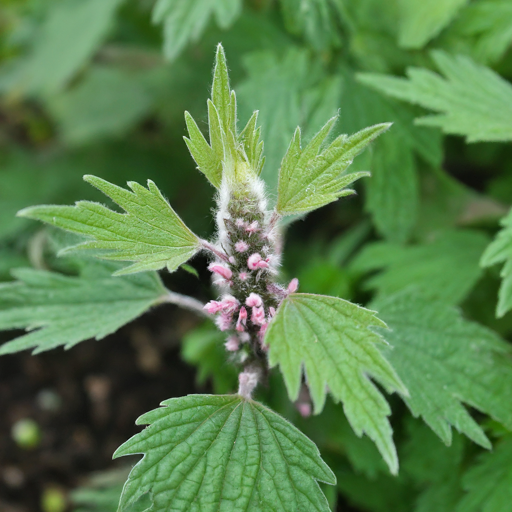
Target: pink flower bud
x=252 y=227
x=241 y=246
x=242 y=320
x=304 y=409
x=255 y=261
x=232 y=260
x=232 y=344
x=223 y=271
x=213 y=307
x=271 y=311
x=243 y=276
x=258 y=316
x=229 y=304
x=239 y=223
x=293 y=286
x=254 y=300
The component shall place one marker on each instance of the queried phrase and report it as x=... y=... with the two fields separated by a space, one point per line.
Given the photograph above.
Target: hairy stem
x=186 y=302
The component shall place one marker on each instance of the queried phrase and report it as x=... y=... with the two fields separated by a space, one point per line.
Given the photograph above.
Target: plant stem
x=186 y=302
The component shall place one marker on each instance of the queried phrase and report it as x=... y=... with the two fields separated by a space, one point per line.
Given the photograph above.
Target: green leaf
x=446 y=361
x=64 y=310
x=312 y=177
x=445 y=269
x=223 y=452
x=106 y=103
x=288 y=90
x=472 y=100
x=500 y=251
x=333 y=341
x=204 y=347
x=486 y=26
x=489 y=482
x=69 y=36
x=222 y=154
x=149 y=233
x=421 y=21
x=185 y=20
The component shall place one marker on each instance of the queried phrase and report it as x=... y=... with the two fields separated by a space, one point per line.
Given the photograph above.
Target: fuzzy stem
x=210 y=247
x=185 y=302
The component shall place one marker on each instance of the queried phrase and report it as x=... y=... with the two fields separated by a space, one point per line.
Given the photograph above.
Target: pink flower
x=243 y=276
x=255 y=261
x=252 y=227
x=293 y=286
x=232 y=344
x=258 y=316
x=241 y=246
x=213 y=307
x=240 y=223
x=223 y=271
x=232 y=260
x=229 y=304
x=271 y=312
x=254 y=300
x=242 y=320
x=224 y=321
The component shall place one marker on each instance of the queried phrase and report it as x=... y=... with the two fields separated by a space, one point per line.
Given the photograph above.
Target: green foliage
x=312 y=177
x=64 y=310
x=223 y=452
x=333 y=340
x=68 y=37
x=472 y=100
x=489 y=482
x=500 y=251
x=420 y=22
x=444 y=270
x=445 y=361
x=149 y=233
x=204 y=348
x=185 y=20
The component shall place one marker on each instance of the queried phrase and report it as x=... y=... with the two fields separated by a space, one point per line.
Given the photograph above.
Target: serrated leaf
x=225 y=453
x=333 y=341
x=312 y=177
x=204 y=348
x=500 y=251
x=149 y=233
x=64 y=310
x=68 y=37
x=446 y=361
x=185 y=20
x=444 y=269
x=489 y=483
x=421 y=21
x=471 y=99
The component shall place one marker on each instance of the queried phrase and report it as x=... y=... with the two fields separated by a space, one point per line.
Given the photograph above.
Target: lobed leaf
x=471 y=99
x=63 y=310
x=333 y=341
x=223 y=453
x=500 y=251
x=185 y=20
x=489 y=483
x=312 y=177
x=149 y=233
x=446 y=361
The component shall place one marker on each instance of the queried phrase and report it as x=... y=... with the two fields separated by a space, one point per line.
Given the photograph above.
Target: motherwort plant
x=227 y=452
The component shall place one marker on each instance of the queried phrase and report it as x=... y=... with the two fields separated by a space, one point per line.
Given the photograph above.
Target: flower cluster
x=248 y=255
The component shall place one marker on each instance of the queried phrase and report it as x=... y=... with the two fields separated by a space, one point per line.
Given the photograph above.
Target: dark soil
x=102 y=387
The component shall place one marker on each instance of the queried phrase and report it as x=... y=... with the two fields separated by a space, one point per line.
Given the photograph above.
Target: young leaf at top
x=149 y=233
x=185 y=20
x=64 y=310
x=227 y=151
x=225 y=453
x=445 y=361
x=445 y=269
x=472 y=100
x=499 y=251
x=489 y=483
x=333 y=340
x=312 y=177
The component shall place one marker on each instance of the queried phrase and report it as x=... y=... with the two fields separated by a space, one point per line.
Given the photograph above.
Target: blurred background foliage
x=100 y=86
